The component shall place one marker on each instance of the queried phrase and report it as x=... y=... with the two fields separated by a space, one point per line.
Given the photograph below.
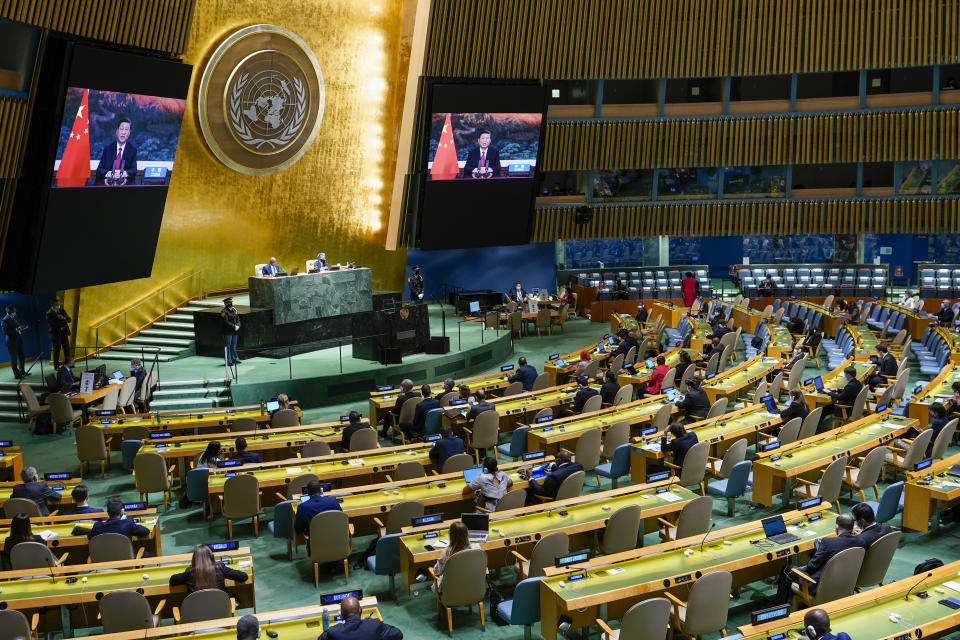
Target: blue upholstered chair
x=386 y=560
x=618 y=467
x=518 y=443
x=733 y=486
x=524 y=608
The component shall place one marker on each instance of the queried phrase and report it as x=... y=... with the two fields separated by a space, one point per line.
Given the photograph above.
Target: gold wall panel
x=684 y=38
x=916 y=134
x=908 y=215
x=335 y=199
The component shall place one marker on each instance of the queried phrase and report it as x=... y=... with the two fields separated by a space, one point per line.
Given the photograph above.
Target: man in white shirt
x=118 y=162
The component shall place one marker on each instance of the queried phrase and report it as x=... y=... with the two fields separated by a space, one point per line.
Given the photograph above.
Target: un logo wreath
x=243 y=132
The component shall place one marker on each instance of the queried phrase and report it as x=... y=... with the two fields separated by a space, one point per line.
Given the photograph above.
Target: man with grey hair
x=448 y=386
x=137 y=371
x=33 y=489
x=824 y=549
x=406 y=392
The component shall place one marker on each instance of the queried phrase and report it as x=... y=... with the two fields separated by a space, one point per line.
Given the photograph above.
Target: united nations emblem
x=261 y=100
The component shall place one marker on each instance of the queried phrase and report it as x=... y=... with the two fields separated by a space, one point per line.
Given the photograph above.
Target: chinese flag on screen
x=75 y=163
x=445 y=165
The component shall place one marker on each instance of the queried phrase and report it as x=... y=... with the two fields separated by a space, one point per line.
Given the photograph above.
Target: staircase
x=175 y=395
x=169 y=339
x=8 y=397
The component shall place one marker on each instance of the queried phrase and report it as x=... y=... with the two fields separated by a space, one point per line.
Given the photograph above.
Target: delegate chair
x=297 y=486
x=542 y=382
x=735 y=454
x=33 y=405
x=401 y=515
x=733 y=486
x=588 y=448
x=406 y=415
x=127 y=390
x=34 y=555
x=694 y=519
x=284 y=418
x=14 y=625
x=624 y=395
x=408 y=470
x=877 y=560
x=128 y=611
x=867 y=475
x=364 y=440
x=705 y=610
x=943 y=440
x=431 y=426
x=282 y=524
x=897 y=459
x=810 y=424
x=593 y=403
x=616 y=435
x=648 y=619
x=571 y=487
x=514 y=499
x=662 y=418
x=92 y=446
x=518 y=442
x=152 y=475
x=241 y=499
x=484 y=434
x=838 y=580
x=244 y=424
x=790 y=431
x=330 y=541
x=618 y=467
x=109 y=547
x=197 y=488
x=524 y=608
x=464 y=584
x=513 y=389
x=831 y=482
x=386 y=560
x=315 y=449
x=891 y=502
x=13 y=506
x=456 y=463
x=621 y=532
x=547 y=549
x=205 y=604
x=694 y=466
x=718 y=408
x=62 y=413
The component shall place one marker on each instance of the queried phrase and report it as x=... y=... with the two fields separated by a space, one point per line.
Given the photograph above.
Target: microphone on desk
x=907 y=597
x=712 y=525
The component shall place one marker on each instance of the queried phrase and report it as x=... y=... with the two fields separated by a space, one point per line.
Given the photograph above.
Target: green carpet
x=282 y=584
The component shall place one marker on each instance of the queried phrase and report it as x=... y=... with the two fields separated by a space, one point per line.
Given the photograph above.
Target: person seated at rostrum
x=679 y=441
x=316 y=503
x=623 y=346
x=448 y=386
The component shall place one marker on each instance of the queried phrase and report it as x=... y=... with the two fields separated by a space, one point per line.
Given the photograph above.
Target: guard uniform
x=230 y=321
x=11 y=333
x=415 y=284
x=58 y=323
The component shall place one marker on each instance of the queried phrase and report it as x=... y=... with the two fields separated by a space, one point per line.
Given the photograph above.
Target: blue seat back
x=518 y=441
x=526 y=602
x=620 y=465
x=283 y=519
x=128 y=451
x=197 y=485
x=737 y=480
x=889 y=502
x=388 y=555
x=431 y=425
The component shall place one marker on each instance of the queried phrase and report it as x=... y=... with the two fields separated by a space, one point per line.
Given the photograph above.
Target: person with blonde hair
x=205 y=573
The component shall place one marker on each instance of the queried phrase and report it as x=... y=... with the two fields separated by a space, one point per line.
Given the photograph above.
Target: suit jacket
x=358 y=628
x=825 y=549
x=473 y=161
x=65 y=378
x=795 y=410
x=829 y=636
x=83 y=511
x=679 y=447
x=420 y=413
x=609 y=391
x=642 y=315
x=316 y=504
x=140 y=374
x=269 y=269
x=248 y=457
x=479 y=408
x=624 y=346
x=656 y=378
x=888 y=366
x=39 y=492
x=444 y=448
x=187 y=578
x=872 y=533
x=696 y=403
x=10 y=325
x=58 y=322
x=128 y=161
x=945 y=315
x=581 y=398
x=551 y=483
x=403 y=397
x=126 y=527
x=348 y=431
x=512 y=293
x=937 y=424
x=849 y=393
x=525 y=375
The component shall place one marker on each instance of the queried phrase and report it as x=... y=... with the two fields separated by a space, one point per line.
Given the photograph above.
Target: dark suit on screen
x=128 y=160
x=473 y=161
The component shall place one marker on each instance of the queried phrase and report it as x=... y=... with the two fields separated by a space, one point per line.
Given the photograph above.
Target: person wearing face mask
x=11 y=333
x=230 y=322
x=65 y=378
x=517 y=294
x=137 y=371
x=58 y=323
x=415 y=284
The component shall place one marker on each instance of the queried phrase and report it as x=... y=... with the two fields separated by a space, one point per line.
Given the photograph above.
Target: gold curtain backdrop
x=221 y=222
x=560 y=39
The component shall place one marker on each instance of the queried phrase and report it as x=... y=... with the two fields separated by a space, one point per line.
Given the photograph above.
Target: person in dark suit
x=562 y=468
x=685 y=361
x=583 y=394
x=797 y=409
x=610 y=387
x=58 y=326
x=117 y=523
x=710 y=349
x=33 y=489
x=480 y=405
x=81 y=497
x=241 y=453
x=483 y=161
x=824 y=549
x=886 y=368
x=845 y=396
x=641 y=317
x=272 y=268
x=118 y=162
x=415 y=285
x=137 y=371
x=938 y=420
x=517 y=293
x=406 y=392
x=679 y=442
x=11 y=333
x=870 y=529
x=317 y=503
x=721 y=329
x=525 y=374
x=819 y=621
x=205 y=573
x=356 y=423
x=945 y=314
x=448 y=386
x=626 y=342
x=356 y=627
x=619 y=291
x=695 y=402
x=415 y=430
x=230 y=323
x=448 y=445
x=65 y=380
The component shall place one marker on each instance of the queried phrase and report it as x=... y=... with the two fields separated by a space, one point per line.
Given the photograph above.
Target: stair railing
x=153 y=307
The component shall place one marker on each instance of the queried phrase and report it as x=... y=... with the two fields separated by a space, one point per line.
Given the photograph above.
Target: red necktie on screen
x=116 y=163
x=483 y=159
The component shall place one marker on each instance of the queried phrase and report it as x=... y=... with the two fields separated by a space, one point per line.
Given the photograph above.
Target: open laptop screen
x=476 y=521
x=470 y=474
x=773 y=526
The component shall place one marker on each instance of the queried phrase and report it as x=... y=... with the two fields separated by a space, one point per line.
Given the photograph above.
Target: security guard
x=415 y=283
x=58 y=322
x=11 y=333
x=231 y=330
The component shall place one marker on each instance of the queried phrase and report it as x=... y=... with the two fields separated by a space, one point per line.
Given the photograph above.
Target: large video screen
x=479 y=154
x=115 y=139
x=479 y=146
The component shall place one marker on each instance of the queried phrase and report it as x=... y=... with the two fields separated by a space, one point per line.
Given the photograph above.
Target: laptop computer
x=650 y=363
x=818 y=383
x=769 y=403
x=671 y=394
x=954 y=471
x=470 y=474
x=478 y=525
x=776 y=530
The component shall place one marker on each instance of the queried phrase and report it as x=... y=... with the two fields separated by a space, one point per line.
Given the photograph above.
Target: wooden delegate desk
x=671 y=313
x=915 y=324
x=806 y=458
x=521 y=408
x=639 y=374
x=302 y=623
x=720 y=432
x=781 y=342
x=520 y=529
x=58 y=533
x=11 y=463
x=866 y=615
x=65 y=603
x=63 y=487
x=835 y=381
x=832 y=321
x=865 y=343
x=442 y=492
x=626 y=321
x=381 y=402
x=747 y=318
x=938 y=390
x=351 y=469
x=84 y=400
x=273 y=444
x=613 y=583
x=699 y=330
x=734 y=382
x=563 y=433
x=927 y=492
x=559 y=374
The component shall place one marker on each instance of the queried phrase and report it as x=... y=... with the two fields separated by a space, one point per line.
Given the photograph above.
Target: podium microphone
x=907 y=597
